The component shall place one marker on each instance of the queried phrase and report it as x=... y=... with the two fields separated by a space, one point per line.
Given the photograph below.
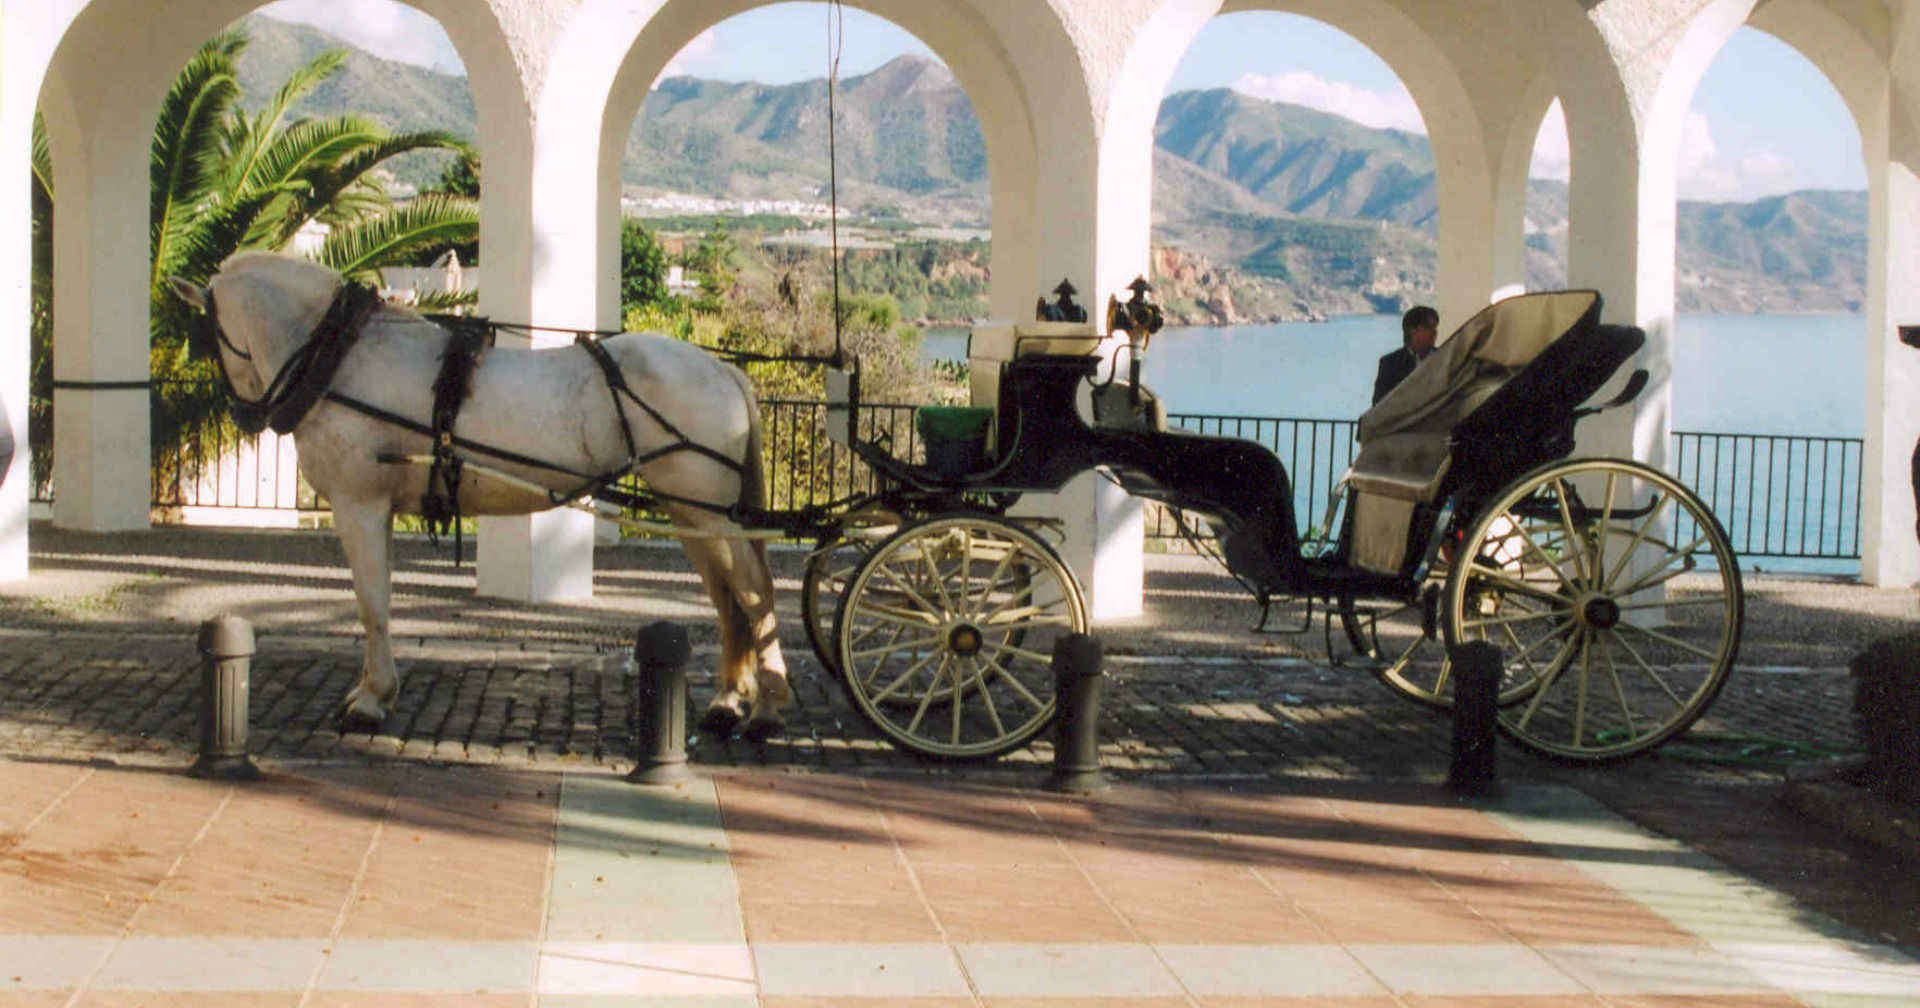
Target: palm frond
x=446 y=301
x=42 y=156
x=337 y=180
x=184 y=158
x=360 y=249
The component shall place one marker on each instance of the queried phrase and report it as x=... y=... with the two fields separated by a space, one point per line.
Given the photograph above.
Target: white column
x=1889 y=552
x=101 y=467
x=547 y=556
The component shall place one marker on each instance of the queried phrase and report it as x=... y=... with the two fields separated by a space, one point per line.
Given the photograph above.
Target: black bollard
x=1476 y=691
x=660 y=657
x=1076 y=728
x=226 y=660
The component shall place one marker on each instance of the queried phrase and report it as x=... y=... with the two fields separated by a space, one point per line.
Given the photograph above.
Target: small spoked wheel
x=945 y=636
x=830 y=568
x=1614 y=598
x=1404 y=641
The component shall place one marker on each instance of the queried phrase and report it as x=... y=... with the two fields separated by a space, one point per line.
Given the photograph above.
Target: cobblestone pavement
x=97 y=663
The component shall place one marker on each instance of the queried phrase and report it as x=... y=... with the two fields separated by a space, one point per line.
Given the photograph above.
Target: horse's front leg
x=366 y=533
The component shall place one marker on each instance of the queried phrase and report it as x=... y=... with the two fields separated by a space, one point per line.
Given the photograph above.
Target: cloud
x=386 y=29
x=1380 y=109
x=1705 y=173
x=701 y=48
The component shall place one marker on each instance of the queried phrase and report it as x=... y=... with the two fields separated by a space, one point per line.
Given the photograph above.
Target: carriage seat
x=990 y=348
x=1406 y=439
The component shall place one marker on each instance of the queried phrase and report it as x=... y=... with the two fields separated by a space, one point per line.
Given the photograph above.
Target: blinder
x=203 y=340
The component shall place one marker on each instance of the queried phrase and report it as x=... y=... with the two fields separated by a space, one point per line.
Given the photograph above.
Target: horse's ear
x=192 y=293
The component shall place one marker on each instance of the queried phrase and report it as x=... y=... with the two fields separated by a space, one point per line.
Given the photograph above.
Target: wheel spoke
x=1619 y=689
x=906 y=676
x=957 y=704
x=1502 y=580
x=1521 y=528
x=1020 y=652
x=1649 y=670
x=1717 y=600
x=938 y=579
x=993 y=580
x=1661 y=573
x=926 y=700
x=890 y=648
x=1672 y=641
x=918 y=619
x=1573 y=536
x=986 y=697
x=1581 y=685
x=1524 y=617
x=1554 y=671
x=1600 y=530
x=910 y=592
x=1640 y=534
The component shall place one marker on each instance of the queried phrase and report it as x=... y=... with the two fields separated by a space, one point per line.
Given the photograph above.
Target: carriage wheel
x=829 y=570
x=1404 y=639
x=1404 y=642
x=958 y=616
x=1605 y=655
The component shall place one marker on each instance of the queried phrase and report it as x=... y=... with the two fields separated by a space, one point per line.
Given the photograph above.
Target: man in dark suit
x=1419 y=328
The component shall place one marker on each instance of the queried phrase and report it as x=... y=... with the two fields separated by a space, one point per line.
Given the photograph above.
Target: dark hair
x=1417 y=316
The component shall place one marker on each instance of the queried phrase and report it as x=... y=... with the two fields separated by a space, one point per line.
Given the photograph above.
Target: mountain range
x=1299 y=208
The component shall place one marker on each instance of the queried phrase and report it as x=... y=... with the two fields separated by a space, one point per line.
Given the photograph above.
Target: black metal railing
x=1777 y=495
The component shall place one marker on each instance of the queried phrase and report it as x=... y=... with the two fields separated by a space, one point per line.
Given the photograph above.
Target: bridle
x=308 y=371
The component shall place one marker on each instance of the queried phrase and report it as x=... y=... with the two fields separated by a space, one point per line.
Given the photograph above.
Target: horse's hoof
x=760 y=729
x=719 y=721
x=358 y=712
x=352 y=719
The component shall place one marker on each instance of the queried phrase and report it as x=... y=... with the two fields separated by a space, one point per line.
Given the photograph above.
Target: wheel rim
x=1409 y=660
x=945 y=636
x=1573 y=578
x=829 y=570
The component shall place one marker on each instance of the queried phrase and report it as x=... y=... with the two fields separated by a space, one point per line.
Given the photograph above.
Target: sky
x=1764 y=121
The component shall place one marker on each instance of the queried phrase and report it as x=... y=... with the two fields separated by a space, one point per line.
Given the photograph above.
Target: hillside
x=1321 y=214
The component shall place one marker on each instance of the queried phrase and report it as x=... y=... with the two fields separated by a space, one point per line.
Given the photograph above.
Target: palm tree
x=222 y=181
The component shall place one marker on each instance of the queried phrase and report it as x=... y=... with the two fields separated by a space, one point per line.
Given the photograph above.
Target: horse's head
x=257 y=309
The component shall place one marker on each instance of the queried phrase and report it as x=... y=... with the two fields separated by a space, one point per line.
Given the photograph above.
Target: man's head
x=1419 y=328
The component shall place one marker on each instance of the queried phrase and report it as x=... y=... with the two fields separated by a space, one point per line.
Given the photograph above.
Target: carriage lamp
x=1139 y=318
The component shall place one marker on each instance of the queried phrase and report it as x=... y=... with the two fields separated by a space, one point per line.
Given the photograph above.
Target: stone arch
x=100 y=139
x=1513 y=172
x=1424 y=59
x=610 y=54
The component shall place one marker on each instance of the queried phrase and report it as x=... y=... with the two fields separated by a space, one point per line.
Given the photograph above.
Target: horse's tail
x=753 y=475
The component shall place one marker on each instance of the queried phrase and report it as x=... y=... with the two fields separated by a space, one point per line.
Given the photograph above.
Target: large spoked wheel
x=1574 y=576
x=830 y=568
x=945 y=636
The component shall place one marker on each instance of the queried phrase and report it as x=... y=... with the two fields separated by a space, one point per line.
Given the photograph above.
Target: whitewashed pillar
x=1889 y=552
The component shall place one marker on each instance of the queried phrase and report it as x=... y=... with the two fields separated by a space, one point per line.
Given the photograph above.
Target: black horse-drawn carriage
x=1609 y=587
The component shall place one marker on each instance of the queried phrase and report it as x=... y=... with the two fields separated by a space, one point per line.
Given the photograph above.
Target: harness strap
x=467 y=339
x=304 y=378
x=616 y=383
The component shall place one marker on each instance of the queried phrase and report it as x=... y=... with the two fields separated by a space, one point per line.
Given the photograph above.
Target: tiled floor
x=404 y=885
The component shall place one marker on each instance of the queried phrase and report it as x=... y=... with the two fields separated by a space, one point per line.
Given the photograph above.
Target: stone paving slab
x=634 y=931
x=97 y=667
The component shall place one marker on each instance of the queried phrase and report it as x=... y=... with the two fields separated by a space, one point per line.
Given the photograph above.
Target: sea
x=1802 y=375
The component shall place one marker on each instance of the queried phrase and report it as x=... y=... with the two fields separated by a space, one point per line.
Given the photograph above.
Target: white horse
x=551 y=405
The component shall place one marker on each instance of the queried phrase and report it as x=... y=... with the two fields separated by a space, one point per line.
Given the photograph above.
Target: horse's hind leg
x=752 y=586
x=366 y=533
x=736 y=690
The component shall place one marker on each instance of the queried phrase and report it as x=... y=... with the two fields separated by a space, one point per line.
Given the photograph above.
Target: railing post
x=659 y=696
x=226 y=660
x=1476 y=692
x=1076 y=728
